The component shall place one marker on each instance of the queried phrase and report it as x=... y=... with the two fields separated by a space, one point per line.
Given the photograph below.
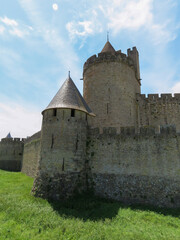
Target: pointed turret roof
x=9 y=135
x=108 y=48
x=69 y=96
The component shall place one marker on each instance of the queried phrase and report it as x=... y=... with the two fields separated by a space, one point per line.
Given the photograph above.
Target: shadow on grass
x=88 y=207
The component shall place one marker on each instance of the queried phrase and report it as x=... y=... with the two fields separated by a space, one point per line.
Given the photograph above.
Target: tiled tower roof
x=69 y=96
x=9 y=135
x=108 y=48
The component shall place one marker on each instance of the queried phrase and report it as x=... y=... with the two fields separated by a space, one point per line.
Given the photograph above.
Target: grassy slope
x=25 y=217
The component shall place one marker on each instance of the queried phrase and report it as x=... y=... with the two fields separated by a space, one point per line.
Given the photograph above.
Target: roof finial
x=69 y=74
x=107 y=36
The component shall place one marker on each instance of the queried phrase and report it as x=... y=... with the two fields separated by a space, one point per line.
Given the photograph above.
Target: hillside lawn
x=23 y=216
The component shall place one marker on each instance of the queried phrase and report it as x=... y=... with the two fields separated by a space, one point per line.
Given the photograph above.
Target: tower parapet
x=134 y=55
x=117 y=57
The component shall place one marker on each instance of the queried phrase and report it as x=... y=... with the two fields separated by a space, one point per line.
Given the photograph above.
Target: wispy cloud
x=12 y=27
x=9 y=22
x=2 y=29
x=176 y=88
x=129 y=15
x=81 y=28
x=21 y=121
x=52 y=36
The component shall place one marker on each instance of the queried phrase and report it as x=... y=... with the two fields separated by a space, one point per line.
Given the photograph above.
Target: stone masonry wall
x=62 y=161
x=135 y=168
x=154 y=110
x=110 y=87
x=11 y=153
x=31 y=157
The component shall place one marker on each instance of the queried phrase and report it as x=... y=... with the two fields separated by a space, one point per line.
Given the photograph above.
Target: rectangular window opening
x=63 y=166
x=107 y=108
x=72 y=112
x=54 y=112
x=52 y=141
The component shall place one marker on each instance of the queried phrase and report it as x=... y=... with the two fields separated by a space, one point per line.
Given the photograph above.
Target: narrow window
x=107 y=108
x=52 y=141
x=72 y=112
x=54 y=112
x=77 y=143
x=63 y=166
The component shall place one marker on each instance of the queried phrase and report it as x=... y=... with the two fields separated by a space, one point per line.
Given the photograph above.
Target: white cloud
x=20 y=121
x=176 y=88
x=2 y=29
x=19 y=33
x=129 y=15
x=8 y=21
x=14 y=28
x=80 y=29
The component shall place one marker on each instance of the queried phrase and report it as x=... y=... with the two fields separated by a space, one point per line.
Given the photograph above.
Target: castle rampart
x=159 y=110
x=119 y=143
x=31 y=154
x=11 y=153
x=135 y=168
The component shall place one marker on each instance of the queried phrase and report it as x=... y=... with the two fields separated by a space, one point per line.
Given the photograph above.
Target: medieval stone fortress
x=113 y=141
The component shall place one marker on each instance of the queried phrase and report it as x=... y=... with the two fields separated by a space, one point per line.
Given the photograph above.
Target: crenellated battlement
x=131 y=131
x=161 y=98
x=108 y=57
x=12 y=140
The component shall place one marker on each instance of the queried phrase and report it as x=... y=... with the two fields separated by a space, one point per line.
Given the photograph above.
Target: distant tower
x=9 y=135
x=63 y=146
x=11 y=153
x=111 y=81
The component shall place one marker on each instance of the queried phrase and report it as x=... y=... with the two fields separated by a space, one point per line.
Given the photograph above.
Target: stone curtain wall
x=155 y=110
x=35 y=136
x=135 y=168
x=31 y=157
x=11 y=153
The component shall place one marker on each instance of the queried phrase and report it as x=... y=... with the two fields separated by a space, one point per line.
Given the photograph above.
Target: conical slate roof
x=108 y=48
x=69 y=96
x=9 y=135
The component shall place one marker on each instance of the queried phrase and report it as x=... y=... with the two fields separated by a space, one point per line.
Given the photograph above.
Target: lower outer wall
x=59 y=186
x=31 y=157
x=134 y=169
x=10 y=165
x=132 y=189
x=11 y=152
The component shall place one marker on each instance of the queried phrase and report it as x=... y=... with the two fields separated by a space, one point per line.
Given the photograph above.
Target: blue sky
x=41 y=40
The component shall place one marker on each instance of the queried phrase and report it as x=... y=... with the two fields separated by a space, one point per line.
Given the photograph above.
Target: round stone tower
x=61 y=170
x=111 y=81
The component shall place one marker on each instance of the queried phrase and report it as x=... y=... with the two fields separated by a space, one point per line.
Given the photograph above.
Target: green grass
x=24 y=217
